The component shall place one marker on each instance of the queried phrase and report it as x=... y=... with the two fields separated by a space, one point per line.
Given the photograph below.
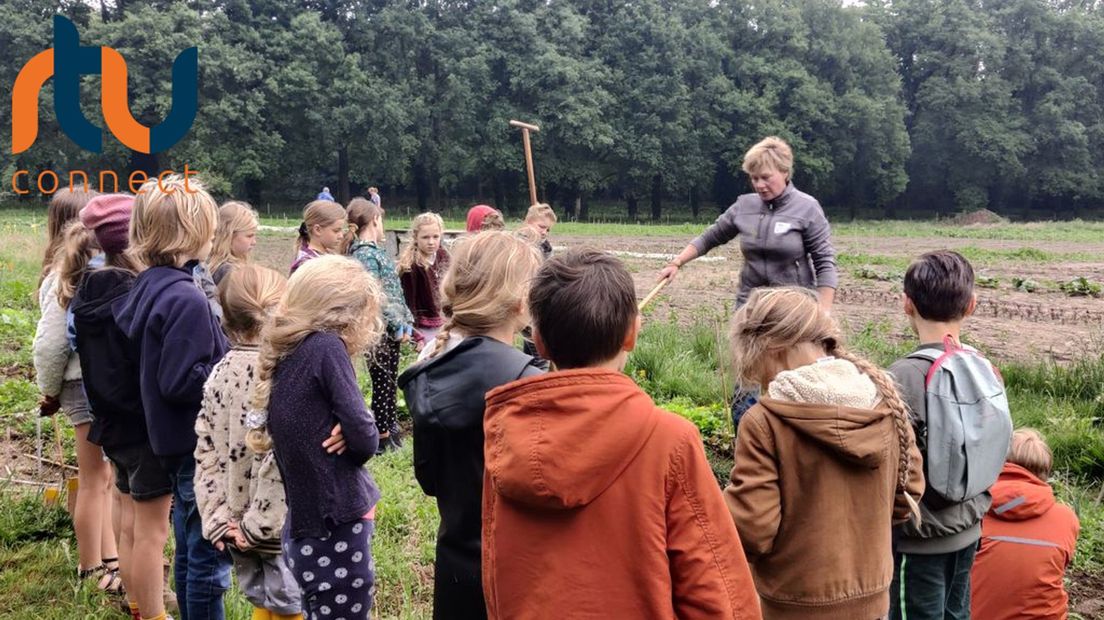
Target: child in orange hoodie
x=1027 y=540
x=596 y=503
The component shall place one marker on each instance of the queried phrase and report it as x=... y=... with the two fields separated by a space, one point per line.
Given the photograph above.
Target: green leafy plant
x=1025 y=285
x=1081 y=287
x=866 y=273
x=987 y=282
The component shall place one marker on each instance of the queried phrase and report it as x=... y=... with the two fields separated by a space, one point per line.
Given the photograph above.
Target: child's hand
x=228 y=537
x=240 y=541
x=335 y=442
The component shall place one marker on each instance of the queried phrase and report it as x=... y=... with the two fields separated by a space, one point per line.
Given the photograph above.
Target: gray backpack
x=969 y=427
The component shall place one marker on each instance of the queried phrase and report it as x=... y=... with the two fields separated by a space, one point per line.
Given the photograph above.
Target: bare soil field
x=1010 y=325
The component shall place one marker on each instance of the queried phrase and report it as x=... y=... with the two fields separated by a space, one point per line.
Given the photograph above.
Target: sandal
x=111 y=581
x=107 y=579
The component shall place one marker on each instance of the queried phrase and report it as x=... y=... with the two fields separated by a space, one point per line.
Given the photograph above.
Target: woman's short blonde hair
x=171 y=221
x=771 y=153
x=1030 y=451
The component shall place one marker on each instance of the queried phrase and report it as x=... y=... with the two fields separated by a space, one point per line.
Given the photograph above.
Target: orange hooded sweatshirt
x=1027 y=542
x=814 y=494
x=597 y=504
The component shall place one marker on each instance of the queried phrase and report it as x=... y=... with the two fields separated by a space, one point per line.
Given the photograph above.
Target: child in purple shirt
x=305 y=386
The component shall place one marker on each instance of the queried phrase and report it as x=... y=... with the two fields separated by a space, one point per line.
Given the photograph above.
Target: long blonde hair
x=776 y=319
x=248 y=296
x=65 y=206
x=409 y=256
x=486 y=283
x=327 y=294
x=172 y=220
x=77 y=248
x=234 y=217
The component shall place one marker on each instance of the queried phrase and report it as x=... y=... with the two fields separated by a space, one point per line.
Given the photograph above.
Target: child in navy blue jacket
x=178 y=341
x=305 y=385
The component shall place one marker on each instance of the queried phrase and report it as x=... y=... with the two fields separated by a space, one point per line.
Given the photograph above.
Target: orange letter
x=188 y=172
x=113 y=99
x=114 y=180
x=56 y=181
x=130 y=183
x=25 y=99
x=72 y=182
x=15 y=183
x=161 y=177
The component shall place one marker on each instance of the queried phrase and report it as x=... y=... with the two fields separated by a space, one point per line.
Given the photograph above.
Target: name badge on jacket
x=781 y=228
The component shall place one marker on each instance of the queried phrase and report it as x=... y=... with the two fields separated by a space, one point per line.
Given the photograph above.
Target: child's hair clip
x=256 y=418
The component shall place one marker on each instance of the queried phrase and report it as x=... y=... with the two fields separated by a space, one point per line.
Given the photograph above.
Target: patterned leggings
x=336 y=573
x=383 y=368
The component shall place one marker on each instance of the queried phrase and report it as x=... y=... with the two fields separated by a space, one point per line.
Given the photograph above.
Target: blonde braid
x=887 y=389
x=258 y=439
x=442 y=338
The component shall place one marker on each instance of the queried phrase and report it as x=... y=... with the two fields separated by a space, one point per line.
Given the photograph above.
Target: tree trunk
x=657 y=196
x=421 y=187
x=343 y=175
x=569 y=203
x=499 y=193
x=632 y=201
x=583 y=205
x=695 y=201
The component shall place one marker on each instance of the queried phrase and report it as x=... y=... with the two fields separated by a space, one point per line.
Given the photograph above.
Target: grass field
x=679 y=361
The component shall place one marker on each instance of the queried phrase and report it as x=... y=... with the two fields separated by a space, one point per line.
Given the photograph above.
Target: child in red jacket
x=1027 y=540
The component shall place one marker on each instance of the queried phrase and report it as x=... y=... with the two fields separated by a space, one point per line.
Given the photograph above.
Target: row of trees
x=892 y=106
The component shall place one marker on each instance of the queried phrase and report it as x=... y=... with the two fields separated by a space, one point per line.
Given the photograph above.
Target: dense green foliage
x=910 y=106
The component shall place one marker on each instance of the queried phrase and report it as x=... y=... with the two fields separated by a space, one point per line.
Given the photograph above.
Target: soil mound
x=981 y=217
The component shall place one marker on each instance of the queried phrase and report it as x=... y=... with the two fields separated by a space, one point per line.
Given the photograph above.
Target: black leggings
x=383 y=368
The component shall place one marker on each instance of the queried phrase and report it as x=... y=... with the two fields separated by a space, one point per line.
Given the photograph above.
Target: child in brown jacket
x=596 y=503
x=824 y=463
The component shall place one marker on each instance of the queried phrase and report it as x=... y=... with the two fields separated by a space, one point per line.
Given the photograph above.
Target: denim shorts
x=74 y=403
x=138 y=472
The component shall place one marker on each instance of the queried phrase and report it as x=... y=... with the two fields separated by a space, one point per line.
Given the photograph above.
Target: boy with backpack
x=963 y=428
x=597 y=503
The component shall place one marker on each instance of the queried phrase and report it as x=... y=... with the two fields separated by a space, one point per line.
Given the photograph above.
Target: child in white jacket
x=70 y=247
x=240 y=494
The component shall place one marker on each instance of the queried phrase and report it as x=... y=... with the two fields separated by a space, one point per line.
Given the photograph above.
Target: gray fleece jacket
x=786 y=241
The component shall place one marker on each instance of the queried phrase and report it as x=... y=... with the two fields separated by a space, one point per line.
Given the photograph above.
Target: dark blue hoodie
x=179 y=340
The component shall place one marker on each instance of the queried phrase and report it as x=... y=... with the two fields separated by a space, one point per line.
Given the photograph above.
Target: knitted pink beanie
x=108 y=215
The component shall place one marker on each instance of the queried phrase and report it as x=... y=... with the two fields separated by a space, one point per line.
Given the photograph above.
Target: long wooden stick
x=49 y=462
x=655 y=291
x=525 y=129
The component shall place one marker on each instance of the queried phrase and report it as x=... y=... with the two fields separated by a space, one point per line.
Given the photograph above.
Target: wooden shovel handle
x=524 y=125
x=655 y=291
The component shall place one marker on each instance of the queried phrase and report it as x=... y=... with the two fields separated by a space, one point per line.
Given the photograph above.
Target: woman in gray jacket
x=784 y=238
